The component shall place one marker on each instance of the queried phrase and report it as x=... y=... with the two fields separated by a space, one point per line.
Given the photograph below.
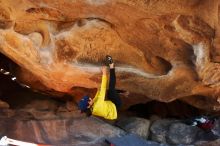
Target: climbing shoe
x=108 y=60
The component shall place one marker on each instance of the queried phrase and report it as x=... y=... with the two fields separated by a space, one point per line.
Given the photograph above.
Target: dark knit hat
x=83 y=103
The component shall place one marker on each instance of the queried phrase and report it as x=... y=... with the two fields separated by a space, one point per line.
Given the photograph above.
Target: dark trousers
x=112 y=93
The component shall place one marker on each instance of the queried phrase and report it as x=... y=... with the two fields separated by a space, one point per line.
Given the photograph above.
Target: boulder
x=159 y=130
x=71 y=131
x=162 y=50
x=180 y=133
x=4 y=105
x=135 y=125
x=176 y=132
x=216 y=128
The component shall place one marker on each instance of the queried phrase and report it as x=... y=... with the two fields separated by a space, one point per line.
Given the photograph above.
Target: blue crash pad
x=131 y=140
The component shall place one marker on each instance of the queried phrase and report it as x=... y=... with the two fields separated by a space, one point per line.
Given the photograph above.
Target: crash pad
x=131 y=140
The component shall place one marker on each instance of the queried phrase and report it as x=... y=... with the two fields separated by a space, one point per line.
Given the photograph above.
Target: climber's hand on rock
x=104 y=70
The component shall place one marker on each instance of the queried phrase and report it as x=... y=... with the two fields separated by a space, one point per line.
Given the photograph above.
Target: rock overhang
x=162 y=50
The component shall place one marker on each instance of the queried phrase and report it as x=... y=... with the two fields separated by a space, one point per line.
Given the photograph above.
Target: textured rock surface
x=182 y=134
x=60 y=132
x=38 y=118
x=164 y=50
x=159 y=130
x=4 y=104
x=211 y=143
x=138 y=126
x=175 y=132
x=216 y=128
x=51 y=125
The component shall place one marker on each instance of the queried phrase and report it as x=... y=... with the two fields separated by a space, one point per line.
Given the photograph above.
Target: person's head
x=85 y=103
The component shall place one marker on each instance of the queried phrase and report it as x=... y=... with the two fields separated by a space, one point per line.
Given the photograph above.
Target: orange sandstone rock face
x=163 y=49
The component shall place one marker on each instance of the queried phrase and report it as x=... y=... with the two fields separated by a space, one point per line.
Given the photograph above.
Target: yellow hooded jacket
x=101 y=107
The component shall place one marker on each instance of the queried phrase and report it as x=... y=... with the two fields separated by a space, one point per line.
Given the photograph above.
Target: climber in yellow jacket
x=98 y=106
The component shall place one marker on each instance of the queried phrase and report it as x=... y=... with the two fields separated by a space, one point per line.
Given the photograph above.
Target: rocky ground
x=60 y=128
x=42 y=118
x=50 y=121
